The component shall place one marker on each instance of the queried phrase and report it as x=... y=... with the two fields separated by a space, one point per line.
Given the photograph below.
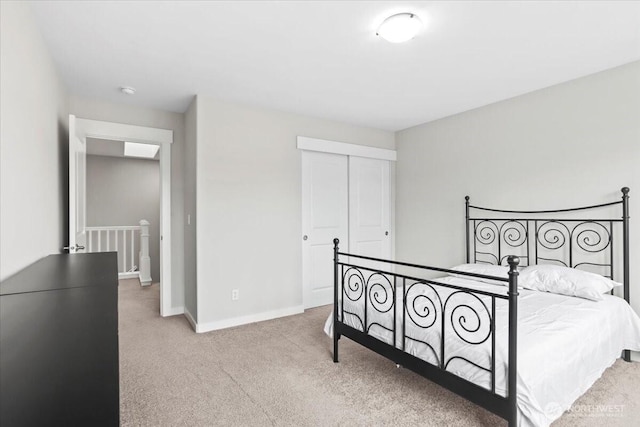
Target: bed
x=523 y=328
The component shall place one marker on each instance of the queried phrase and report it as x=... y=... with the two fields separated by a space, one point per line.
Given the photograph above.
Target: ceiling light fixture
x=134 y=149
x=127 y=90
x=400 y=28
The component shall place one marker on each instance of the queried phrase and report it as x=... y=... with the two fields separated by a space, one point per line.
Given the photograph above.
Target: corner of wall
x=34 y=108
x=190 y=212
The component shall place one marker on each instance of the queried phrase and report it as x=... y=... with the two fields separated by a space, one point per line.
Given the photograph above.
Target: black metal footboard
x=409 y=320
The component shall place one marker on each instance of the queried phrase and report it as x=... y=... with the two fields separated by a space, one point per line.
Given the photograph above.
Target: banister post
x=145 y=260
x=336 y=335
x=513 y=343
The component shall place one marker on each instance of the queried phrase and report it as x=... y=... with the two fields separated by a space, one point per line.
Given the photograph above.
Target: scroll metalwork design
x=553 y=235
x=353 y=280
x=514 y=233
x=492 y=236
x=579 y=239
x=381 y=292
x=423 y=308
x=471 y=324
x=591 y=236
x=353 y=289
x=486 y=232
x=466 y=314
x=381 y=297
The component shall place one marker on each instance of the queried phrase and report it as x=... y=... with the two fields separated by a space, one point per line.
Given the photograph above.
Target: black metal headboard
x=562 y=236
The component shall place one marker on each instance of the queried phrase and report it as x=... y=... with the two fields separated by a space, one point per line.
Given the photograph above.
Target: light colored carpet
x=280 y=373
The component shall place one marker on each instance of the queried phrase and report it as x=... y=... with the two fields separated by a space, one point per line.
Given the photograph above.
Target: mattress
x=564 y=343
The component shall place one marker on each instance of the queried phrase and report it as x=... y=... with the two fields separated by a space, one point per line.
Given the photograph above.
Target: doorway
x=123 y=206
x=82 y=129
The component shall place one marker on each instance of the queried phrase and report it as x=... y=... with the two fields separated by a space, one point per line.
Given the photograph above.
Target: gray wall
x=190 y=231
x=569 y=145
x=33 y=144
x=119 y=113
x=122 y=191
x=249 y=202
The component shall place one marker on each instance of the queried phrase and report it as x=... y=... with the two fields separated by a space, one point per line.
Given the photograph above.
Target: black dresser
x=59 y=343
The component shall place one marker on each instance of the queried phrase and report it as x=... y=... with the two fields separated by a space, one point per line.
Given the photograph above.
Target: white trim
x=243 y=320
x=190 y=319
x=129 y=275
x=174 y=311
x=146 y=135
x=165 y=229
x=635 y=356
x=72 y=202
x=122 y=132
x=324 y=146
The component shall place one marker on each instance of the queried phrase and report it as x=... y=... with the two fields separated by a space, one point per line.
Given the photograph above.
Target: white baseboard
x=173 y=311
x=243 y=320
x=129 y=275
x=190 y=319
x=635 y=356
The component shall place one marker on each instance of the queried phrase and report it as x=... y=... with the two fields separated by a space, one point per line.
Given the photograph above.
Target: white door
x=77 y=187
x=324 y=217
x=369 y=206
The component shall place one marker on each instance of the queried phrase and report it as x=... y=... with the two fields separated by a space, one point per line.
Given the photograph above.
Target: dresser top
x=64 y=271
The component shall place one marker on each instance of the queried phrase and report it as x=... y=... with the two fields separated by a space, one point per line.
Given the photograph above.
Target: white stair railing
x=128 y=241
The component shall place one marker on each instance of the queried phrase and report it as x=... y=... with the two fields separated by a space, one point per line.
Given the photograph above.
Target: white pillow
x=484 y=269
x=566 y=281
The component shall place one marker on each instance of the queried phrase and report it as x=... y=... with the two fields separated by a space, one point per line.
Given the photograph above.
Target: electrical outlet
x=235 y=295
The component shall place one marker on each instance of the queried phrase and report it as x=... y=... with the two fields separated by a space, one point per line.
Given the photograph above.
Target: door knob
x=386 y=233
x=305 y=237
x=76 y=248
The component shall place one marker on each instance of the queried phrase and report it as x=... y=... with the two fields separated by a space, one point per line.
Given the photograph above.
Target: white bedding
x=564 y=343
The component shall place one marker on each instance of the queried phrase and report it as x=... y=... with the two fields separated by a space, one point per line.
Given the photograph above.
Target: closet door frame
x=335 y=147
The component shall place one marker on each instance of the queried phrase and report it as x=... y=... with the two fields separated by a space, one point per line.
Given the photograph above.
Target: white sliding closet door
x=324 y=217
x=369 y=208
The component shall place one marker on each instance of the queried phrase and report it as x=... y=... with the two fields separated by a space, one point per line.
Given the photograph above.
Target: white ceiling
x=323 y=59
